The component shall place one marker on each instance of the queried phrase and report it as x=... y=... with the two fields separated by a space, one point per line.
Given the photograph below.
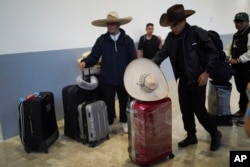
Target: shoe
x=125 y=127
x=240 y=123
x=190 y=139
x=225 y=120
x=215 y=141
x=238 y=114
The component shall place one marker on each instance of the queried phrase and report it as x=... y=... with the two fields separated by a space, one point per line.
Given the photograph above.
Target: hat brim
x=164 y=22
x=103 y=22
x=132 y=74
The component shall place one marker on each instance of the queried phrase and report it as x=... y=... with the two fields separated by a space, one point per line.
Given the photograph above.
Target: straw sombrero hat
x=144 y=80
x=96 y=68
x=112 y=17
x=175 y=14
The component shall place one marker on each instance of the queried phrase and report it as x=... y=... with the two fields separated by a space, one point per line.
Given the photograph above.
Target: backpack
x=223 y=71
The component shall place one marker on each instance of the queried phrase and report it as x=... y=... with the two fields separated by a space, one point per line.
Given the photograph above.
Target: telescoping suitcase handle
x=86 y=77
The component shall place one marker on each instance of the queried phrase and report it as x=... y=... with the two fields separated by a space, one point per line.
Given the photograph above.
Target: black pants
x=108 y=93
x=242 y=77
x=192 y=100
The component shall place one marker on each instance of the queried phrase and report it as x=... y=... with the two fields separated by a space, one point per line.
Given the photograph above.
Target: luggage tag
x=29 y=97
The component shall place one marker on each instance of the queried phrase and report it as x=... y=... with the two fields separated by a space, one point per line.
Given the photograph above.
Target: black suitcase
x=37 y=122
x=72 y=96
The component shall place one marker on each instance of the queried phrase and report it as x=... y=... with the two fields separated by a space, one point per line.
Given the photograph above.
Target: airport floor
x=113 y=152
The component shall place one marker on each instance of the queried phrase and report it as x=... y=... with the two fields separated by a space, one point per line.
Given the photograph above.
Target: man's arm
x=245 y=57
x=161 y=55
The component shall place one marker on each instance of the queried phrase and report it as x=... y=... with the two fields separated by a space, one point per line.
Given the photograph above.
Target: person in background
x=238 y=53
x=247 y=114
x=149 y=43
x=192 y=72
x=117 y=50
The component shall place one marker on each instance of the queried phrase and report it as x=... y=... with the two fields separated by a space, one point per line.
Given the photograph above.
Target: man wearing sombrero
x=192 y=70
x=117 y=50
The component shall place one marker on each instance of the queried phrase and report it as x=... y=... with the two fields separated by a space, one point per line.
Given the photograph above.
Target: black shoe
x=238 y=114
x=190 y=139
x=215 y=141
x=225 y=120
x=240 y=123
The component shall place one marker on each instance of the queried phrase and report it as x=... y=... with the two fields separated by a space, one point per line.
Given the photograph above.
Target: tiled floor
x=113 y=152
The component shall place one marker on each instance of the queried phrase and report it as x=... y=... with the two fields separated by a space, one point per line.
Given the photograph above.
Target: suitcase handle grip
x=86 y=77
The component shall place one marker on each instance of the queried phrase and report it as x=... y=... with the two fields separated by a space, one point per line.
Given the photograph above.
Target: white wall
x=39 y=25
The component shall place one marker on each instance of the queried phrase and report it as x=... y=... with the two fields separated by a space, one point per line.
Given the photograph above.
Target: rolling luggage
x=93 y=122
x=72 y=96
x=150 y=131
x=37 y=122
x=219 y=103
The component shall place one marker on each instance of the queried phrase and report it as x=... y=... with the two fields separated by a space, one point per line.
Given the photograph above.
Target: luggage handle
x=84 y=77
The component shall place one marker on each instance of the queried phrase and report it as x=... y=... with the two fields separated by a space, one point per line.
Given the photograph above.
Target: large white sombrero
x=112 y=17
x=144 y=80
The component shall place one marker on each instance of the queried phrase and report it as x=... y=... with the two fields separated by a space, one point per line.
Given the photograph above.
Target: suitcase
x=93 y=122
x=150 y=131
x=219 y=103
x=72 y=96
x=37 y=122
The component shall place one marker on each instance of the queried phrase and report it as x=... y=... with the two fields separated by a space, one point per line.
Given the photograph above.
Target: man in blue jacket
x=192 y=71
x=117 y=50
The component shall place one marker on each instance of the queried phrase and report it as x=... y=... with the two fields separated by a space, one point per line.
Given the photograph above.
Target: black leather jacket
x=195 y=63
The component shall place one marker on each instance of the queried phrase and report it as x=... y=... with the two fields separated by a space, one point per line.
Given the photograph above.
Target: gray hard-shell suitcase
x=93 y=122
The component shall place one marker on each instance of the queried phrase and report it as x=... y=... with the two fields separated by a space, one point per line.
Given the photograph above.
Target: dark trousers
x=108 y=93
x=242 y=77
x=192 y=100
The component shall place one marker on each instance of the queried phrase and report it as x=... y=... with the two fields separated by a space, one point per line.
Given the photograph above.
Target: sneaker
x=190 y=139
x=215 y=141
x=125 y=127
x=238 y=114
x=240 y=123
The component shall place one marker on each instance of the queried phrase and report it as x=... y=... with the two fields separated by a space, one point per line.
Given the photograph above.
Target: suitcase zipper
x=31 y=127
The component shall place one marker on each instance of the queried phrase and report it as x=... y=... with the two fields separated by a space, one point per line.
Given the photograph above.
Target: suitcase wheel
x=92 y=144
x=171 y=156
x=107 y=137
x=46 y=151
x=27 y=149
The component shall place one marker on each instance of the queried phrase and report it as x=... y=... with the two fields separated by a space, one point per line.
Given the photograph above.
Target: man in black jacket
x=192 y=70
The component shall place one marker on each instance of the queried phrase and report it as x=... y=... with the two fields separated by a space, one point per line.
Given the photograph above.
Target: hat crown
x=112 y=15
x=148 y=82
x=176 y=13
x=242 y=16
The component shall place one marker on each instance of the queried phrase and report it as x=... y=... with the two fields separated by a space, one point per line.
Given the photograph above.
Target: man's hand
x=202 y=80
x=233 y=61
x=82 y=65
